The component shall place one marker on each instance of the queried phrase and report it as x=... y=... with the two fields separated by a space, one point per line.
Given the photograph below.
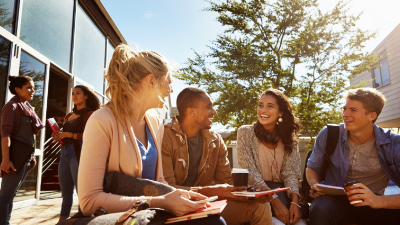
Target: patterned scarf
x=27 y=110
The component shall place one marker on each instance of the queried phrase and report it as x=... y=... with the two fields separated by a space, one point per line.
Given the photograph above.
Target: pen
x=322 y=182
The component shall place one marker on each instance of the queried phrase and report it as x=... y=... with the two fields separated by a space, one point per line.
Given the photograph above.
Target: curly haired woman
x=268 y=149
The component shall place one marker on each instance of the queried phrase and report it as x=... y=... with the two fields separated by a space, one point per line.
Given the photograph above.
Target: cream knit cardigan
x=247 y=152
x=107 y=147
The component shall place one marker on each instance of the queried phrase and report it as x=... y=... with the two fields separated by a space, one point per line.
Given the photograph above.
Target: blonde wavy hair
x=124 y=74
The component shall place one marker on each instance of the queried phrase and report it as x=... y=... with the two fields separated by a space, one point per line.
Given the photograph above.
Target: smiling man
x=364 y=153
x=195 y=158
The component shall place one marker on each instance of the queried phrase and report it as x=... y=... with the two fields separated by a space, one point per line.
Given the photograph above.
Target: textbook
x=331 y=190
x=54 y=127
x=216 y=208
x=259 y=193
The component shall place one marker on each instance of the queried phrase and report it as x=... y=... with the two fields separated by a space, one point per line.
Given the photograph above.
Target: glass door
x=27 y=61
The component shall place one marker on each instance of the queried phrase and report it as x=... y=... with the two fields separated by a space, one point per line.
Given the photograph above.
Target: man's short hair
x=372 y=100
x=189 y=97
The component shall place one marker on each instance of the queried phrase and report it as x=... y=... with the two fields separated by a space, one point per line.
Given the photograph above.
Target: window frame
x=383 y=56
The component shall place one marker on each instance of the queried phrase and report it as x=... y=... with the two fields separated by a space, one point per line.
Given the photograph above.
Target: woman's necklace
x=274 y=163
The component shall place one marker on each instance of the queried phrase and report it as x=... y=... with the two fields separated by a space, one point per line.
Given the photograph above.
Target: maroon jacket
x=9 y=119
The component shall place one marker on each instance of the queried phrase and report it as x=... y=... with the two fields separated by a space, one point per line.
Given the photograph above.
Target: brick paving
x=46 y=212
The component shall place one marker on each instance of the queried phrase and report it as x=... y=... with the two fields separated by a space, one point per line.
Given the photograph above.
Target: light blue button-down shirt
x=388 y=145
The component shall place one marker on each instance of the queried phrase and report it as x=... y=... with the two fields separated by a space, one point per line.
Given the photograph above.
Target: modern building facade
x=59 y=44
x=386 y=79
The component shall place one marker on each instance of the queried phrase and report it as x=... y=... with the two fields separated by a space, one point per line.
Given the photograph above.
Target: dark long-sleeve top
x=79 y=136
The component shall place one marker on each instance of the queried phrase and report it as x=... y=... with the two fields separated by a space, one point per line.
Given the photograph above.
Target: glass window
x=5 y=47
x=100 y=97
x=385 y=72
x=7 y=15
x=32 y=67
x=381 y=74
x=47 y=27
x=377 y=76
x=110 y=52
x=89 y=56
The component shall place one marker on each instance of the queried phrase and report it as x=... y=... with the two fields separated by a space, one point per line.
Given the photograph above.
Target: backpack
x=331 y=142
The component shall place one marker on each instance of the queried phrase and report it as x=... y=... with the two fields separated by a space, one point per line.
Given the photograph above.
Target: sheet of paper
x=331 y=190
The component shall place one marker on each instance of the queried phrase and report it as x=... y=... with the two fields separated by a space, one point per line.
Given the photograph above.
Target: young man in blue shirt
x=364 y=153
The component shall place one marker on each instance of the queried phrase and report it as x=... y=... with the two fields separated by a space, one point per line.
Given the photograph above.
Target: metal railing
x=50 y=154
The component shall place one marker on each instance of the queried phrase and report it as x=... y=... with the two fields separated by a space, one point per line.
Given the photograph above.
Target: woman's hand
x=294 y=214
x=179 y=202
x=6 y=165
x=61 y=135
x=56 y=137
x=280 y=210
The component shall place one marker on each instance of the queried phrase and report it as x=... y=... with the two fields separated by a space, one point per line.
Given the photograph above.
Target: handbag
x=121 y=184
x=20 y=153
x=305 y=208
x=125 y=185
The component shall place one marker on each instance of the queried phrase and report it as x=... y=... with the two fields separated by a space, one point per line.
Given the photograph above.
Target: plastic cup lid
x=237 y=170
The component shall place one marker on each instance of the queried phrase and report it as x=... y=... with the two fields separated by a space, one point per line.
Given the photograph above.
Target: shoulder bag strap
x=331 y=142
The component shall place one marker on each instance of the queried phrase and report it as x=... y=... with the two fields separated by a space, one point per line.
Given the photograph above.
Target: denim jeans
x=68 y=178
x=10 y=185
x=334 y=210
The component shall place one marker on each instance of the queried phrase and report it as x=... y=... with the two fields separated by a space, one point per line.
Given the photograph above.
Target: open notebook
x=331 y=190
x=216 y=208
x=259 y=193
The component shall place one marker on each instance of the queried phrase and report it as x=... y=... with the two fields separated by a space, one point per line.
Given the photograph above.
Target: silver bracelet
x=294 y=203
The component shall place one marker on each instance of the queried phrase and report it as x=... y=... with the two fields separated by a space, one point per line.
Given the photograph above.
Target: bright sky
x=175 y=28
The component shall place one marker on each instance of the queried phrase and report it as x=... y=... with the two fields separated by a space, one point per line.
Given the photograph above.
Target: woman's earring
x=280 y=120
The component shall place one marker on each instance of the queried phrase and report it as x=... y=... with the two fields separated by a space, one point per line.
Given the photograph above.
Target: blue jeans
x=68 y=178
x=334 y=210
x=10 y=185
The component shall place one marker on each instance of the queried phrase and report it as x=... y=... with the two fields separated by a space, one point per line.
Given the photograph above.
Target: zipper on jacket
x=205 y=162
x=184 y=138
x=187 y=149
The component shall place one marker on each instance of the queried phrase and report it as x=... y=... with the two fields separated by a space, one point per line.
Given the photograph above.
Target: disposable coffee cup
x=240 y=177
x=347 y=188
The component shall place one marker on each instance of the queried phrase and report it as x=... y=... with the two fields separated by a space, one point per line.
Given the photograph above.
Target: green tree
x=285 y=44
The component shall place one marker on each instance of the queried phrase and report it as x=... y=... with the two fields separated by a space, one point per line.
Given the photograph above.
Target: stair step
x=51 y=172
x=50 y=186
x=50 y=179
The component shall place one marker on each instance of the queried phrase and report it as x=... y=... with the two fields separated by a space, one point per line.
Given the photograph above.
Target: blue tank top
x=149 y=156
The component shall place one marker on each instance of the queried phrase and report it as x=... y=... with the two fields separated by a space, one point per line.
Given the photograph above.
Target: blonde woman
x=124 y=136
